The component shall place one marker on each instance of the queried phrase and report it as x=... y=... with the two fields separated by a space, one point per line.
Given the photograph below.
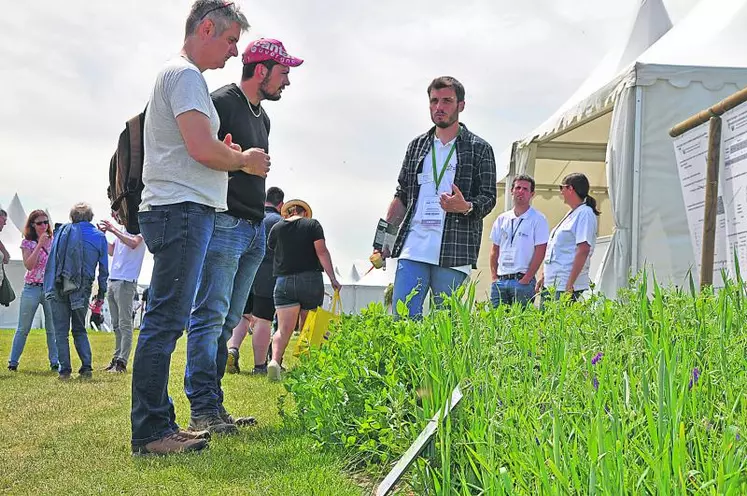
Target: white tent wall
x=663 y=233
x=355 y=298
x=614 y=262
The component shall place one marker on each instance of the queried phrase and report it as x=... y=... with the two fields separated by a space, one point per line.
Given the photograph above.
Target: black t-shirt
x=293 y=242
x=246 y=193
x=264 y=280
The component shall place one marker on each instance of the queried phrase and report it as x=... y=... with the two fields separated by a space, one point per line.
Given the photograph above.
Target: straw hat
x=295 y=203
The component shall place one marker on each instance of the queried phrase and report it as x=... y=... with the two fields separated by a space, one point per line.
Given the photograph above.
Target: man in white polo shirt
x=127 y=252
x=520 y=238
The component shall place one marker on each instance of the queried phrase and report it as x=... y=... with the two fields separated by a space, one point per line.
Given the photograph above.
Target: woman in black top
x=300 y=257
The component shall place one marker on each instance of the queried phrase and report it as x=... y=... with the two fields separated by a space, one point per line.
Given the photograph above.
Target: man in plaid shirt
x=447 y=185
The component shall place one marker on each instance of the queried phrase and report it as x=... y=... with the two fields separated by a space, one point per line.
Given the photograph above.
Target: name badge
x=508 y=258
x=433 y=214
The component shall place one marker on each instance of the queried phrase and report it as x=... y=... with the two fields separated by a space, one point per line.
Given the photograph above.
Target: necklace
x=251 y=109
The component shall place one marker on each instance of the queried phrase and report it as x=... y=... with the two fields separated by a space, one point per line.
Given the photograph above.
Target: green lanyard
x=437 y=178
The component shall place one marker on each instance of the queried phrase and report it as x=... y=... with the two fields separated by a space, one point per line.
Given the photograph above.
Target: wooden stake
x=708 y=251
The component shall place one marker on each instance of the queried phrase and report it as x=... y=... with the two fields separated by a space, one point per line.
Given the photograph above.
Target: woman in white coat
x=572 y=241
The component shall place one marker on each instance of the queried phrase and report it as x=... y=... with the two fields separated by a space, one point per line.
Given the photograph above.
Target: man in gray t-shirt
x=185 y=176
x=170 y=174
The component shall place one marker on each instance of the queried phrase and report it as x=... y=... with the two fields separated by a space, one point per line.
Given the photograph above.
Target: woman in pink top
x=35 y=247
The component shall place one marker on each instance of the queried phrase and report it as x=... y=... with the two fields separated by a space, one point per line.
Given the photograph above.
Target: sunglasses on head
x=227 y=4
x=42 y=223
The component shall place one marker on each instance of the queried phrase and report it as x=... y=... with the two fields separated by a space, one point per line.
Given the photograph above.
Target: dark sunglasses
x=562 y=186
x=42 y=223
x=228 y=4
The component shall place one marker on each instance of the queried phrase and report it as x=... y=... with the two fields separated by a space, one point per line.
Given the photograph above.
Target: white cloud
x=74 y=71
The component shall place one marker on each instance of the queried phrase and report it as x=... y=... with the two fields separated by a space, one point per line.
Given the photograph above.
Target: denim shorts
x=305 y=289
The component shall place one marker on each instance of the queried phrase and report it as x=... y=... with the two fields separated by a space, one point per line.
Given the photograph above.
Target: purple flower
x=596 y=358
x=595 y=382
x=739 y=438
x=694 y=378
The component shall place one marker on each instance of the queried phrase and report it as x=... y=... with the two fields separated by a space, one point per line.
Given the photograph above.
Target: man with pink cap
x=237 y=246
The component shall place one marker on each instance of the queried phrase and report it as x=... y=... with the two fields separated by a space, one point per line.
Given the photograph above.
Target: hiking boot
x=273 y=371
x=64 y=376
x=13 y=368
x=54 y=366
x=170 y=444
x=237 y=421
x=214 y=424
x=119 y=368
x=111 y=365
x=85 y=374
x=259 y=369
x=195 y=434
x=232 y=365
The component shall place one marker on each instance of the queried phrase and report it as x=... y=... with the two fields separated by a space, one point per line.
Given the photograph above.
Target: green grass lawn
x=74 y=437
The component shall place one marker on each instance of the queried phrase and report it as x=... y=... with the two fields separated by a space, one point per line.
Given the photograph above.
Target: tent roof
x=651 y=22
x=706 y=46
x=712 y=35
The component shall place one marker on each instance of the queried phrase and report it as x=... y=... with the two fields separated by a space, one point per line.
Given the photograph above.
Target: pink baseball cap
x=268 y=49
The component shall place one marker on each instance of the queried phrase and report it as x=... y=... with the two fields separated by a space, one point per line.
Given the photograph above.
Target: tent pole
x=708 y=251
x=507 y=200
x=637 y=130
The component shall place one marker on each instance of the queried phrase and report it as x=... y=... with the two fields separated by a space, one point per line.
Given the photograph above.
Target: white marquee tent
x=362 y=287
x=621 y=122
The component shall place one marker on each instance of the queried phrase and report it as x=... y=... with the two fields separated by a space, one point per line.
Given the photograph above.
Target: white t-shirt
x=126 y=262
x=517 y=238
x=170 y=174
x=579 y=226
x=423 y=241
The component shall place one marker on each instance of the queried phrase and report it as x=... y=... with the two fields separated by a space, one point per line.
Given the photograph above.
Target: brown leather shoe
x=169 y=445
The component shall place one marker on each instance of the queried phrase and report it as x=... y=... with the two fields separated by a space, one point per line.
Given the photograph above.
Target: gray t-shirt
x=170 y=174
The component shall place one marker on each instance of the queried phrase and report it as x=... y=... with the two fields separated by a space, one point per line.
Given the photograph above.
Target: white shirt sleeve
x=541 y=231
x=585 y=227
x=495 y=233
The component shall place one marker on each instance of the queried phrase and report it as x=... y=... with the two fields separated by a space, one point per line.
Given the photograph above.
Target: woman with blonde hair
x=35 y=247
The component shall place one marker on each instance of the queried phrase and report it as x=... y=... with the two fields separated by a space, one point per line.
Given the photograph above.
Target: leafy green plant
x=639 y=395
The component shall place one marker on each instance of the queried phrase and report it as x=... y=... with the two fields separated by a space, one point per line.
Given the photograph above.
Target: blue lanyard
x=514 y=231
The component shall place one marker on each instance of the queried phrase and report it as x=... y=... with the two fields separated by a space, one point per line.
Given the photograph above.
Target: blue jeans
x=546 y=294
x=65 y=318
x=508 y=292
x=423 y=276
x=178 y=236
x=31 y=298
x=233 y=257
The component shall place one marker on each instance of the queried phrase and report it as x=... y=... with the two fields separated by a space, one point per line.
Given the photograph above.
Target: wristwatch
x=469 y=211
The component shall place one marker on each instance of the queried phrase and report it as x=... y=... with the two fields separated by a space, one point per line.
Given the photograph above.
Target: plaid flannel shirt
x=475 y=177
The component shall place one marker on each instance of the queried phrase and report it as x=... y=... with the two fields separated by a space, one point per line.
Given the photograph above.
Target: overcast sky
x=74 y=71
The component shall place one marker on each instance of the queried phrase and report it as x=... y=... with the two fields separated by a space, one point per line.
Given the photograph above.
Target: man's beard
x=449 y=122
x=266 y=95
